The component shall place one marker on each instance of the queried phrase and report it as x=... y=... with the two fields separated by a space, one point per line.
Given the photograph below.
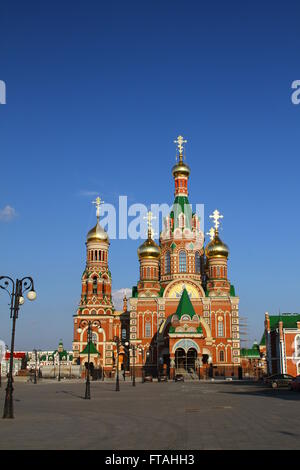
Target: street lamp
x=141 y=350
x=89 y=324
x=35 y=368
x=15 y=291
x=58 y=359
x=133 y=349
x=118 y=343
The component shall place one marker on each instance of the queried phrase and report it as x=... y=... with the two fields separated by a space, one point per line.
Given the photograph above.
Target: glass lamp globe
x=21 y=300
x=31 y=295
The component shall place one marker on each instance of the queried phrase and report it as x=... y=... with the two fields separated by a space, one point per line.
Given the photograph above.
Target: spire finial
x=98 y=203
x=180 y=145
x=149 y=219
x=216 y=216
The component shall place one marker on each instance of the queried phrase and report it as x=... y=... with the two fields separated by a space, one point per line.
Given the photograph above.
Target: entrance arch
x=185 y=360
x=191 y=359
x=180 y=358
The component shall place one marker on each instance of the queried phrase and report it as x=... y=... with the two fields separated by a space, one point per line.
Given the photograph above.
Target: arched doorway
x=180 y=359
x=185 y=360
x=191 y=359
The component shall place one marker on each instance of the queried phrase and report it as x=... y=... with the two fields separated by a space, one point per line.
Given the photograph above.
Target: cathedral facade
x=183 y=315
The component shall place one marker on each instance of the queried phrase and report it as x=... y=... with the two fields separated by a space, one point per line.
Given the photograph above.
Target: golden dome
x=181 y=168
x=149 y=249
x=216 y=248
x=97 y=233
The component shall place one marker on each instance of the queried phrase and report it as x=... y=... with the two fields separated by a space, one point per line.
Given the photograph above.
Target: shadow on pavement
x=70 y=393
x=263 y=391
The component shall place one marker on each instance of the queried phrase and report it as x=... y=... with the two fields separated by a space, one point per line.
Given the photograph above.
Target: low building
x=51 y=364
x=19 y=362
x=282 y=337
x=253 y=361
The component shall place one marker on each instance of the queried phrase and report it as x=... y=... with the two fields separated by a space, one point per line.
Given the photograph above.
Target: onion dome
x=97 y=233
x=181 y=168
x=216 y=248
x=149 y=249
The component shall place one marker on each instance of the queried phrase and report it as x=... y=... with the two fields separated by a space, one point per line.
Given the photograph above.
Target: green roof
x=250 y=353
x=263 y=340
x=181 y=205
x=232 y=291
x=185 y=305
x=93 y=349
x=134 y=291
x=289 y=320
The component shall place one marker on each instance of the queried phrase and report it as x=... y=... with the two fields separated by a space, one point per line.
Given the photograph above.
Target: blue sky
x=96 y=94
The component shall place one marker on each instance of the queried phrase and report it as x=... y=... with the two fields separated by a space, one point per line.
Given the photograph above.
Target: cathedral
x=183 y=314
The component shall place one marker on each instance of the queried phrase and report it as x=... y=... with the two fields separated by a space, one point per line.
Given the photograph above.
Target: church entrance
x=191 y=359
x=185 y=360
x=180 y=358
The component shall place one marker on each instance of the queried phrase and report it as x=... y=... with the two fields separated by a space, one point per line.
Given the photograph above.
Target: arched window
x=220 y=328
x=197 y=262
x=95 y=282
x=148 y=273
x=94 y=338
x=221 y=356
x=297 y=346
x=147 y=329
x=182 y=262
x=167 y=263
x=181 y=220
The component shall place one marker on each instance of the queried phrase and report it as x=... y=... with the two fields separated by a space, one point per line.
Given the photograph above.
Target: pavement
x=151 y=416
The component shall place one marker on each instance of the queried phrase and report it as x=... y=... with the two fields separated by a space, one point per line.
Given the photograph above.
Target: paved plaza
x=190 y=415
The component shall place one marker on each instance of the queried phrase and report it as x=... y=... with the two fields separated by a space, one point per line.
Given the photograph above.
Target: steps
x=191 y=375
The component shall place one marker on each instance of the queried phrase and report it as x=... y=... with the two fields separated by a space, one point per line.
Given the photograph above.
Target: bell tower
x=217 y=256
x=149 y=257
x=95 y=304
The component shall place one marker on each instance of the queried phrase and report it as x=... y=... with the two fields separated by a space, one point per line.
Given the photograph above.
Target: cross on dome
x=216 y=216
x=149 y=219
x=98 y=201
x=180 y=144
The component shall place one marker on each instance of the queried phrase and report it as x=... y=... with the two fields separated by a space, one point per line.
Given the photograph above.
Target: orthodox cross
x=149 y=219
x=180 y=144
x=216 y=216
x=98 y=201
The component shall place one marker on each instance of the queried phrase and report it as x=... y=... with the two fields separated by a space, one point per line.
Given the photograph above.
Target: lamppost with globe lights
x=141 y=350
x=118 y=343
x=58 y=360
x=35 y=366
x=15 y=289
x=90 y=324
x=133 y=348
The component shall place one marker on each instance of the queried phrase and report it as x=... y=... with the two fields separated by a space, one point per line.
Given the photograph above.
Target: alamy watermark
x=2 y=92
x=131 y=221
x=295 y=97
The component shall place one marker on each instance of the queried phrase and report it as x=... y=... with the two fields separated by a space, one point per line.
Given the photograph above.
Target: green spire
x=185 y=305
x=181 y=205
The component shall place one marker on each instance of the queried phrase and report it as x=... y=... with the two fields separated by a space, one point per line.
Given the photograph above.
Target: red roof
x=17 y=355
